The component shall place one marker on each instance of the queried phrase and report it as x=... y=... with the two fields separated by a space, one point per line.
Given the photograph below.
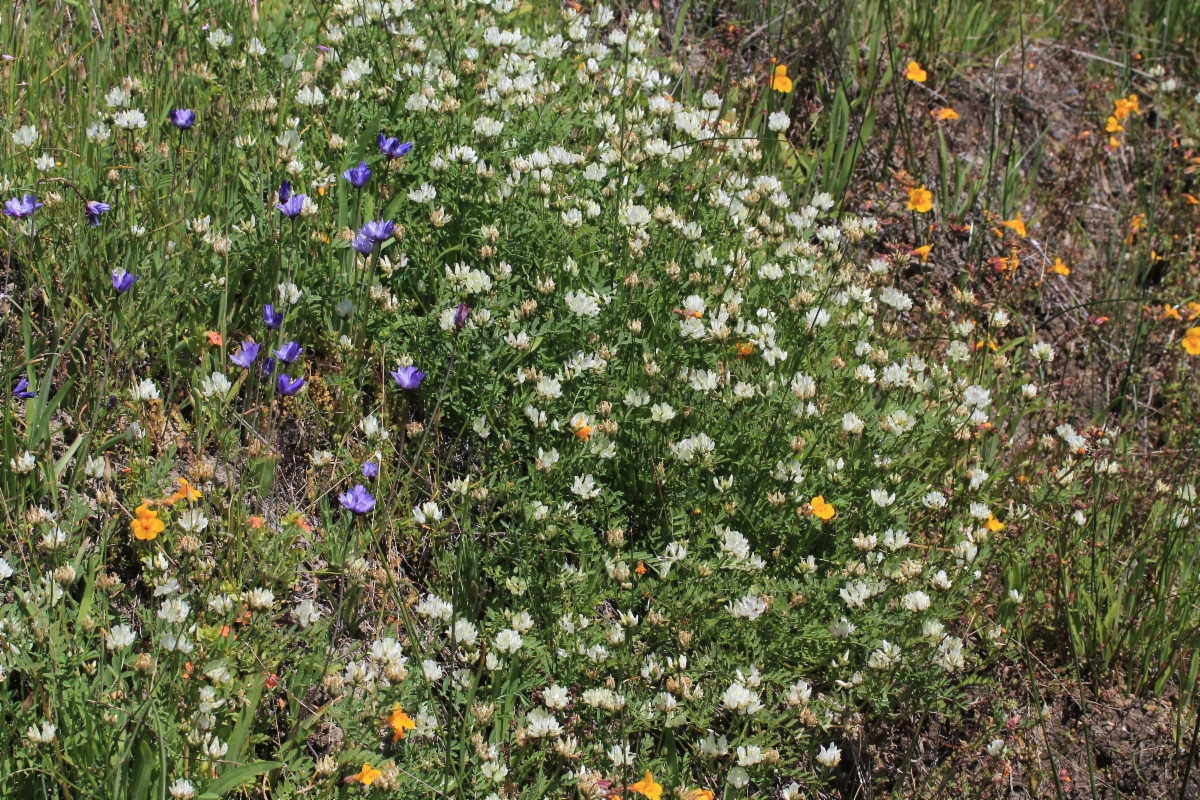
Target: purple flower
x=288 y=353
x=93 y=210
x=392 y=147
x=285 y=191
x=408 y=378
x=272 y=318
x=183 y=118
x=370 y=469
x=460 y=316
x=122 y=280
x=292 y=208
x=358 y=176
x=19 y=209
x=363 y=245
x=379 y=230
x=288 y=387
x=268 y=366
x=21 y=390
x=357 y=500
x=246 y=354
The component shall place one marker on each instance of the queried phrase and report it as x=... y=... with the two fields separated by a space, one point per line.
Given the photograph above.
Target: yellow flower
x=780 y=82
x=914 y=72
x=1169 y=312
x=920 y=200
x=1123 y=106
x=821 y=509
x=701 y=794
x=1191 y=341
x=146 y=525
x=184 y=492
x=366 y=777
x=399 y=722
x=943 y=114
x=922 y=252
x=1017 y=225
x=1060 y=267
x=994 y=525
x=1114 y=126
x=648 y=787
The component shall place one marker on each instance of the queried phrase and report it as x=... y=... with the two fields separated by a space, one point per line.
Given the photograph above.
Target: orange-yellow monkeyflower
x=1060 y=267
x=646 y=786
x=920 y=200
x=943 y=114
x=922 y=252
x=994 y=525
x=366 y=777
x=780 y=81
x=822 y=510
x=399 y=722
x=701 y=794
x=1017 y=225
x=184 y=492
x=914 y=72
x=146 y=525
x=1191 y=341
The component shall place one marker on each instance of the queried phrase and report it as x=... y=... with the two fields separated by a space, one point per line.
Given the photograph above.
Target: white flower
x=1068 y=435
x=738 y=777
x=778 y=121
x=852 y=423
x=546 y=460
x=174 y=611
x=791 y=792
x=555 y=697
x=950 y=654
x=583 y=304
x=423 y=194
x=548 y=388
x=585 y=487
x=487 y=127
x=1079 y=518
x=44 y=162
x=23 y=464
x=255 y=47
x=130 y=120
x=98 y=132
x=508 y=641
x=881 y=498
x=434 y=607
x=310 y=96
x=977 y=396
x=916 y=602
x=829 y=756
x=25 y=136
x=307 y=613
x=182 y=789
x=1042 y=352
x=747 y=607
x=433 y=671
x=934 y=499
x=144 y=391
x=941 y=581
x=995 y=747
x=43 y=736
x=6 y=569
x=662 y=412
x=895 y=298
x=740 y=699
x=218 y=39
x=120 y=637
x=427 y=512
x=261 y=599
x=215 y=384
x=1029 y=391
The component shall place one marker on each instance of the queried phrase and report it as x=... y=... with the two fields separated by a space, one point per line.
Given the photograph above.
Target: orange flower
x=1169 y=312
x=1193 y=310
x=584 y=431
x=914 y=72
x=215 y=339
x=920 y=200
x=1191 y=341
x=922 y=252
x=701 y=794
x=1113 y=126
x=255 y=522
x=366 y=777
x=744 y=349
x=641 y=569
x=184 y=492
x=821 y=509
x=146 y=525
x=1060 y=267
x=399 y=722
x=646 y=786
x=1123 y=106
x=1192 y=201
x=1017 y=225
x=943 y=114
x=994 y=525
x=780 y=82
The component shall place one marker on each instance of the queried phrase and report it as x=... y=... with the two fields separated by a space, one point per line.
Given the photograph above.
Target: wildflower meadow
x=482 y=399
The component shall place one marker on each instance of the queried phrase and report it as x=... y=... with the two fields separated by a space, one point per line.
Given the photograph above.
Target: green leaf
x=237 y=777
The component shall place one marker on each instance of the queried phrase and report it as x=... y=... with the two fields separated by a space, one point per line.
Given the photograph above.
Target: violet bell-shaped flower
x=183 y=118
x=358 y=500
x=272 y=318
x=246 y=354
x=408 y=378
x=289 y=352
x=288 y=387
x=123 y=281
x=358 y=176
x=393 y=147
